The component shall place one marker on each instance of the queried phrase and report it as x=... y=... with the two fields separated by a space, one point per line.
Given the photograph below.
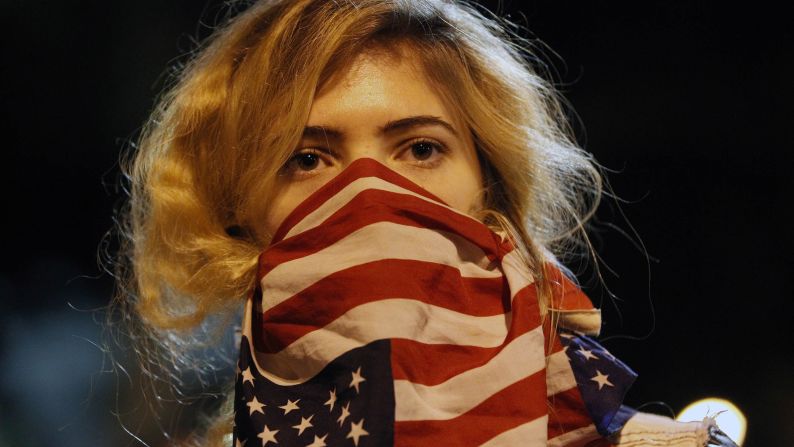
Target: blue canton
x=602 y=379
x=328 y=410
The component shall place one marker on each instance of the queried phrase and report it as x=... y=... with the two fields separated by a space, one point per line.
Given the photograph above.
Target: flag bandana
x=383 y=317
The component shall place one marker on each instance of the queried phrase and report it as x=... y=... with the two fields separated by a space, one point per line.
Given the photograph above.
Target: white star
x=305 y=423
x=357 y=379
x=247 y=376
x=602 y=379
x=237 y=443
x=318 y=441
x=357 y=431
x=586 y=354
x=344 y=415
x=290 y=405
x=331 y=400
x=255 y=406
x=267 y=436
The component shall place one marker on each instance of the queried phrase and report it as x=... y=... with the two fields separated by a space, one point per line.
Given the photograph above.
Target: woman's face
x=381 y=108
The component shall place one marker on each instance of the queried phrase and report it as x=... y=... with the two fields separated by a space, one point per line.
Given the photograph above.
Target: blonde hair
x=203 y=172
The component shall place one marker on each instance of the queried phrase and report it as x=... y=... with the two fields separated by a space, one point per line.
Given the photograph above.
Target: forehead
x=379 y=80
x=346 y=65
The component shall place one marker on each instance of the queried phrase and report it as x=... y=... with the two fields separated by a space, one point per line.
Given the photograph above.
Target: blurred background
x=688 y=104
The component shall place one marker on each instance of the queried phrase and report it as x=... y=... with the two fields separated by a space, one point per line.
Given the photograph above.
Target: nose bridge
x=365 y=145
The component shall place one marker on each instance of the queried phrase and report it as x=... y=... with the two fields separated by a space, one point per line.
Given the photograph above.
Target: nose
x=365 y=147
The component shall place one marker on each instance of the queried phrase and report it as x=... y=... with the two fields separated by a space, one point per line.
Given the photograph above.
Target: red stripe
x=430 y=282
x=381 y=206
x=568 y=413
x=565 y=294
x=601 y=442
x=433 y=364
x=363 y=167
x=551 y=337
x=517 y=404
x=328 y=299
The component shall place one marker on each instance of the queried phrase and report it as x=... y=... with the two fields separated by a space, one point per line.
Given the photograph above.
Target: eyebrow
x=324 y=132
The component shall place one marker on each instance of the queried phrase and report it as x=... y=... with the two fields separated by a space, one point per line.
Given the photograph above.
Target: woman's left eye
x=426 y=152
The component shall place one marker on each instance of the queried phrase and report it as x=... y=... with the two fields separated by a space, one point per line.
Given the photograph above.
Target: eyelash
x=290 y=168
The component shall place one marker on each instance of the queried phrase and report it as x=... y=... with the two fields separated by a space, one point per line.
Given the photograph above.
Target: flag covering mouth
x=384 y=317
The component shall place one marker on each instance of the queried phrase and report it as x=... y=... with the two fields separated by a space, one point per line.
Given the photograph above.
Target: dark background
x=689 y=103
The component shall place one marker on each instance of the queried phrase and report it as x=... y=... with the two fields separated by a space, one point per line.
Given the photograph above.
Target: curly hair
x=203 y=171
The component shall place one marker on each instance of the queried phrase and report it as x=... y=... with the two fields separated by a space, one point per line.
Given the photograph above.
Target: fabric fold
x=384 y=316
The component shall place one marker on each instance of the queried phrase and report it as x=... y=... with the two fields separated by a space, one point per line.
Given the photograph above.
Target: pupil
x=422 y=151
x=307 y=162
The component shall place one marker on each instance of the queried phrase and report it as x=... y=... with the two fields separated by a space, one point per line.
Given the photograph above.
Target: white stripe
x=347 y=194
x=516 y=272
x=531 y=434
x=383 y=319
x=381 y=240
x=559 y=375
x=586 y=321
x=521 y=358
x=578 y=437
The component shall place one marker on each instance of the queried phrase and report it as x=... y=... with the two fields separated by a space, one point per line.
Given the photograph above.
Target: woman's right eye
x=303 y=162
x=307 y=161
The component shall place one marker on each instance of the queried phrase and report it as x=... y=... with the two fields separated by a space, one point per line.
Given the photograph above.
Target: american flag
x=383 y=317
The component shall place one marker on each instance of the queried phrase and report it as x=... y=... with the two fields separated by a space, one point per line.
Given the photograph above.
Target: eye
x=426 y=153
x=421 y=152
x=304 y=162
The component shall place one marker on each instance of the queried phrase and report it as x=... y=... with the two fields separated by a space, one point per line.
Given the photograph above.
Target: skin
x=347 y=121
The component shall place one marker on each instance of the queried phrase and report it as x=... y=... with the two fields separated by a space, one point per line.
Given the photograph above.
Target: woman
x=318 y=159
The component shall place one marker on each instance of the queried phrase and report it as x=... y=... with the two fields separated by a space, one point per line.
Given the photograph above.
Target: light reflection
x=729 y=418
